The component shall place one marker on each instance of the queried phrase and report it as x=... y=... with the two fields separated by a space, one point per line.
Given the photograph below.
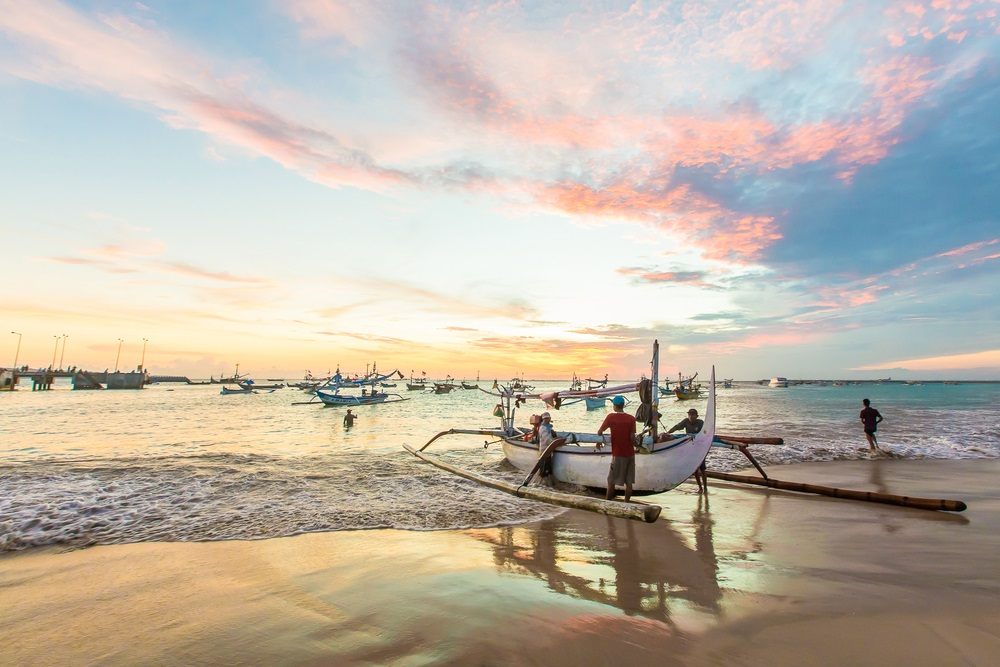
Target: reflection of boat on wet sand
x=623 y=564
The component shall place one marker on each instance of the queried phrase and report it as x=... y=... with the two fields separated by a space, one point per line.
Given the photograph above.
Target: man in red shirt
x=622 y=427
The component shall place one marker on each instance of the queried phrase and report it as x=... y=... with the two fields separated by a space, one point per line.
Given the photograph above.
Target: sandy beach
x=746 y=576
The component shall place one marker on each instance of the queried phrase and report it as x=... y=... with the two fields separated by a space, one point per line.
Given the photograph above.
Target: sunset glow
x=805 y=189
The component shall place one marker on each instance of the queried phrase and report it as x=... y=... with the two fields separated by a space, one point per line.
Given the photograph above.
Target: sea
x=174 y=462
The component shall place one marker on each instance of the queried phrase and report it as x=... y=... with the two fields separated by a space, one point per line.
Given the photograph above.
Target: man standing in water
x=622 y=427
x=870 y=417
x=349 y=419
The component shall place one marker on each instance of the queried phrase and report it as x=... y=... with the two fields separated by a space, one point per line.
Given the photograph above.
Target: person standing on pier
x=622 y=426
x=870 y=417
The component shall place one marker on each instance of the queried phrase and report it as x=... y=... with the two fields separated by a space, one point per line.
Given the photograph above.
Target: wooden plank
x=750 y=440
x=847 y=494
x=634 y=511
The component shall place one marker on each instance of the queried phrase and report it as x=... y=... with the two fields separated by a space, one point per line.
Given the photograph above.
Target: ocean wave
x=222 y=497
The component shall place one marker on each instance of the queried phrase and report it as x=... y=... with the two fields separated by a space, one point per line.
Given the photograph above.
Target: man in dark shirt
x=870 y=417
x=622 y=427
x=349 y=419
x=691 y=424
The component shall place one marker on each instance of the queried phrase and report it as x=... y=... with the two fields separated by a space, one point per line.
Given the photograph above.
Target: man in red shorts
x=622 y=427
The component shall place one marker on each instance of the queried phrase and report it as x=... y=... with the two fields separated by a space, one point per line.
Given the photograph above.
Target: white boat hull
x=667 y=465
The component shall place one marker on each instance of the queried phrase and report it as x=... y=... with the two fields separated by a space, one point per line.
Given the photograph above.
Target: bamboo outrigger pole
x=867 y=496
x=635 y=511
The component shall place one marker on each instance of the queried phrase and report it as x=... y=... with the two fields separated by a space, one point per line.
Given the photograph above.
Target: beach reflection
x=644 y=570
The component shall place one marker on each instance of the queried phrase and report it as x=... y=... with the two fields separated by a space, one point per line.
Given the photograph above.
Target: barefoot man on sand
x=622 y=427
x=870 y=417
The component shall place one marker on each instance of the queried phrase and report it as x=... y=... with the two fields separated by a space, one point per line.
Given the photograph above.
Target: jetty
x=42 y=379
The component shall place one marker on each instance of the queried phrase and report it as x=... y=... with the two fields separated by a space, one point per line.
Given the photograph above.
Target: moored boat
x=778 y=382
x=335 y=398
x=228 y=390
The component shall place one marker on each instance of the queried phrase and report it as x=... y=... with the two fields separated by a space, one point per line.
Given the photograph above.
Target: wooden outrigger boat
x=226 y=391
x=335 y=398
x=662 y=464
x=467 y=385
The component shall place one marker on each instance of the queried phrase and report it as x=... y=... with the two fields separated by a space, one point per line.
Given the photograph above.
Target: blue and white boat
x=335 y=398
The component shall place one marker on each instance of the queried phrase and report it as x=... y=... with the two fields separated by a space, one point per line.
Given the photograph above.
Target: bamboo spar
x=849 y=494
x=635 y=511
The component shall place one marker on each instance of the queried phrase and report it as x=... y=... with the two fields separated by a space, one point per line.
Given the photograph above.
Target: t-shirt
x=622 y=427
x=868 y=416
x=545 y=436
x=690 y=426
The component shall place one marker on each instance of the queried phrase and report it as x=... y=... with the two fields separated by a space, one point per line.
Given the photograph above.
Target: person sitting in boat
x=691 y=424
x=546 y=434
x=349 y=418
x=622 y=426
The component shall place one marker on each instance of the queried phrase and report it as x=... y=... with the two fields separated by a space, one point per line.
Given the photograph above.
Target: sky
x=803 y=189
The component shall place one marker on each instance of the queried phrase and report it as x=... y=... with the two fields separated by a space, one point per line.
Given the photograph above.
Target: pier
x=42 y=379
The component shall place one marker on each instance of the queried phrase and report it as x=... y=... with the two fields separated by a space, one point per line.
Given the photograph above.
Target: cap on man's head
x=546 y=415
x=618 y=400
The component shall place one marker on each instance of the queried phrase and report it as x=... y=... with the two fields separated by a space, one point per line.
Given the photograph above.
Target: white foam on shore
x=224 y=497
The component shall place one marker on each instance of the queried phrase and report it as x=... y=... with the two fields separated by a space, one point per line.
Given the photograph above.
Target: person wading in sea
x=622 y=427
x=349 y=418
x=870 y=417
x=691 y=424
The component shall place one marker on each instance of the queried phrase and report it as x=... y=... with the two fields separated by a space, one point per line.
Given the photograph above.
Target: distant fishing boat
x=466 y=385
x=686 y=388
x=777 y=382
x=228 y=390
x=417 y=384
x=727 y=383
x=335 y=398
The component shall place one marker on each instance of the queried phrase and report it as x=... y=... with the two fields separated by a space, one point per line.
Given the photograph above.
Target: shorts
x=870 y=431
x=622 y=470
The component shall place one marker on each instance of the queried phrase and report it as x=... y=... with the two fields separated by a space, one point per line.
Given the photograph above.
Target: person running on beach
x=691 y=424
x=870 y=417
x=349 y=418
x=622 y=426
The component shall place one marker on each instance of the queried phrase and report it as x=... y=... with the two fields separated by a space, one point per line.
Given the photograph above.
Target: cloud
x=114 y=54
x=646 y=275
x=985 y=359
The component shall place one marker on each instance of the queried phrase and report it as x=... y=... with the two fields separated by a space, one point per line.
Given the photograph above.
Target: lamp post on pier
x=17 y=352
x=119 y=355
x=142 y=359
x=54 y=350
x=63 y=355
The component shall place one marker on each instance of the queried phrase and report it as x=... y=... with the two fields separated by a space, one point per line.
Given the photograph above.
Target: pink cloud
x=966 y=249
x=721 y=233
x=63 y=47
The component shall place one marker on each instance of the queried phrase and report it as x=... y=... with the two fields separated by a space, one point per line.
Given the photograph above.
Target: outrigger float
x=662 y=462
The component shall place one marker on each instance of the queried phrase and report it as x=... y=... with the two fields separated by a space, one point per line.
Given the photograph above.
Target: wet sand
x=746 y=576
